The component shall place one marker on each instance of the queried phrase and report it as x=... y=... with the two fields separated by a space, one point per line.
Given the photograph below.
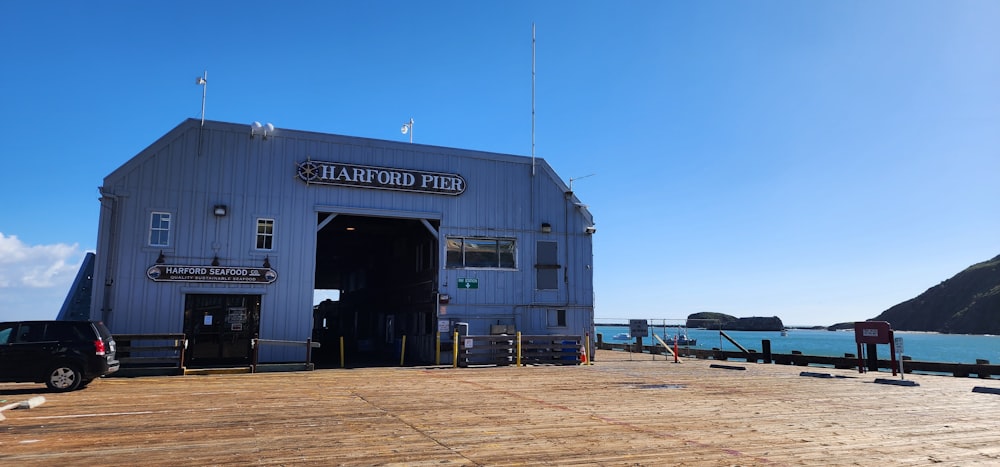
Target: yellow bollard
x=341 y=351
x=402 y=351
x=454 y=351
x=437 y=348
x=586 y=350
x=518 y=348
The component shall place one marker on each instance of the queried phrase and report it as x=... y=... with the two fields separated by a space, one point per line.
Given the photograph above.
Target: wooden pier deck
x=625 y=409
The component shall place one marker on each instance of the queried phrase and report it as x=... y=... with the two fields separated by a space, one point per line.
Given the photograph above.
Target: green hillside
x=968 y=303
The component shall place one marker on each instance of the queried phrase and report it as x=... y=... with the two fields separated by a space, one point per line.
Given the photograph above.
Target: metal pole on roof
x=532 y=99
x=203 y=82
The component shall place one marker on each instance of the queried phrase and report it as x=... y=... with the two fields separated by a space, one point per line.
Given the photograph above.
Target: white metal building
x=225 y=231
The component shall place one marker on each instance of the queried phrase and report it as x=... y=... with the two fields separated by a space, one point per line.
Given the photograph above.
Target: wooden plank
x=623 y=410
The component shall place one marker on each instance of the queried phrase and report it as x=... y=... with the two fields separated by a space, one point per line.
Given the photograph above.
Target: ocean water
x=929 y=347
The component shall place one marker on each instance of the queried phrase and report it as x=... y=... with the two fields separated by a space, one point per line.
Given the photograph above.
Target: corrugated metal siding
x=257 y=178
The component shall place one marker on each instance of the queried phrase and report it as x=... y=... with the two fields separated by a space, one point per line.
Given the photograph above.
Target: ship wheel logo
x=308 y=171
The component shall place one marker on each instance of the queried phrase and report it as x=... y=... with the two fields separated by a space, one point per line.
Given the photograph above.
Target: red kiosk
x=872 y=333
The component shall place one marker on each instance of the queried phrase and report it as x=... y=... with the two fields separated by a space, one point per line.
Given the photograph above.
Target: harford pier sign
x=382 y=178
x=177 y=273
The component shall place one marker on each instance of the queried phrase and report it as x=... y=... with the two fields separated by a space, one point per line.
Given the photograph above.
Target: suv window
x=33 y=332
x=6 y=332
x=66 y=332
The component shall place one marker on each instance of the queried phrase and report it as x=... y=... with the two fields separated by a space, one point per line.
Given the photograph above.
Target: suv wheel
x=64 y=377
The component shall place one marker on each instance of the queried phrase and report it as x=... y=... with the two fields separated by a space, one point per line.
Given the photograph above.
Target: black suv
x=65 y=355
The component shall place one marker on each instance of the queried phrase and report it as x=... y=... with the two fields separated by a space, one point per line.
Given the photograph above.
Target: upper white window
x=265 y=234
x=159 y=229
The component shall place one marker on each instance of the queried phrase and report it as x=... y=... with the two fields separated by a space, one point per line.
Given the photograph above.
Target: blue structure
x=227 y=231
x=77 y=303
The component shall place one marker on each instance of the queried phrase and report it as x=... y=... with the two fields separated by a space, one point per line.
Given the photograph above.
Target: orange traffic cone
x=583 y=355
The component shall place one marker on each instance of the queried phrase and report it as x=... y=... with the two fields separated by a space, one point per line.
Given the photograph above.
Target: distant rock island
x=968 y=303
x=731 y=323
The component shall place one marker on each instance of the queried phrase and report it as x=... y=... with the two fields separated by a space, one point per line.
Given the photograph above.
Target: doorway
x=220 y=329
x=386 y=273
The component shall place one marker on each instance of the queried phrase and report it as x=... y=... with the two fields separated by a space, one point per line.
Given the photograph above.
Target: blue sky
x=817 y=161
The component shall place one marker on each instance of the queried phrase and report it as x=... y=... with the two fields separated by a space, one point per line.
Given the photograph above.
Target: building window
x=557 y=318
x=159 y=229
x=265 y=234
x=479 y=252
x=547 y=266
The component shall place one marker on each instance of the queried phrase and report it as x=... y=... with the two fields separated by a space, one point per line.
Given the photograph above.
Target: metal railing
x=256 y=344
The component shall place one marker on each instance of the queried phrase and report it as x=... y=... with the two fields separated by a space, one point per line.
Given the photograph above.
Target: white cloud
x=34 y=279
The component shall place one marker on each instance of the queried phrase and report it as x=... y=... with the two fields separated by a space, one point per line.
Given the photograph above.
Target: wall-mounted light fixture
x=264 y=130
x=161 y=259
x=219 y=210
x=546 y=227
x=215 y=260
x=590 y=230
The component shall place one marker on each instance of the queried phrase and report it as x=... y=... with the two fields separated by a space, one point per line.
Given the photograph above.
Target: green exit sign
x=468 y=283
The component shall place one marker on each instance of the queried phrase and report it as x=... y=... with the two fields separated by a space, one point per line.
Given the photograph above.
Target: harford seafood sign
x=382 y=178
x=177 y=273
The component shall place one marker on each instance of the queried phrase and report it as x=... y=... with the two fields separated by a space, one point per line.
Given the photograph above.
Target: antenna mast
x=532 y=99
x=203 y=82
x=577 y=178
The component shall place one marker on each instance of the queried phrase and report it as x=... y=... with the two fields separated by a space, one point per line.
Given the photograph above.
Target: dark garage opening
x=385 y=270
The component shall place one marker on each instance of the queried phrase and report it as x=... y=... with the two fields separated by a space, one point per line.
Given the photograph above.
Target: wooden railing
x=150 y=353
x=534 y=350
x=982 y=369
x=550 y=350
x=163 y=354
x=486 y=350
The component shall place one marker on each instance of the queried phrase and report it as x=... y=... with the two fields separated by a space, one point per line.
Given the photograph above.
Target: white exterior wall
x=256 y=177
